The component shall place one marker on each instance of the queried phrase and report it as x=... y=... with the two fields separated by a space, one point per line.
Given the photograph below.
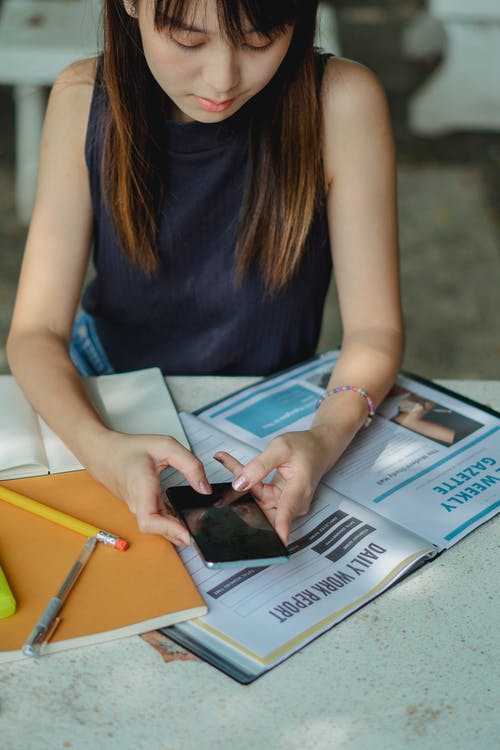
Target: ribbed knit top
x=190 y=317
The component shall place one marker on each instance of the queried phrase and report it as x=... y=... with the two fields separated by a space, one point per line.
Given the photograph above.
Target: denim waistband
x=86 y=350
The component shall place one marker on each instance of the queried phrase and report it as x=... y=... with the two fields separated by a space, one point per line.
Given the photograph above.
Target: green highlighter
x=7 y=601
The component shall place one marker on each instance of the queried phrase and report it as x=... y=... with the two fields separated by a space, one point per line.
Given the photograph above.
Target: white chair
x=463 y=93
x=38 y=38
x=327 y=32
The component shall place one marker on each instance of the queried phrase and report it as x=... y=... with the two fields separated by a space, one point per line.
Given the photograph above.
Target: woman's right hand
x=130 y=465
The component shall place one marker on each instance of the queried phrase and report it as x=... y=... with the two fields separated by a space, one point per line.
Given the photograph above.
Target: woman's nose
x=221 y=72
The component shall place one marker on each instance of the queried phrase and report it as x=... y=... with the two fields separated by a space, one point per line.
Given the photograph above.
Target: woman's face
x=207 y=78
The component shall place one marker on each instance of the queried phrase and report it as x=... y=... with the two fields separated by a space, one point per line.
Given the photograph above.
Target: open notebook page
x=136 y=402
x=21 y=447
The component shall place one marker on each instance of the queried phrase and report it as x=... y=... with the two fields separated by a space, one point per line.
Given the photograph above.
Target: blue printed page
x=280 y=404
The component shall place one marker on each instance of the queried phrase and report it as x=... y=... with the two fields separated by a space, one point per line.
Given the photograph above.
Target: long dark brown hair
x=285 y=178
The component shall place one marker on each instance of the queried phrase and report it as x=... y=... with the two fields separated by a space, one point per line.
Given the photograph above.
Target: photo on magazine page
x=425 y=417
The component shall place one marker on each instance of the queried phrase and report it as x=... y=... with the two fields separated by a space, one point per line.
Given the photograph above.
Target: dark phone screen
x=226 y=525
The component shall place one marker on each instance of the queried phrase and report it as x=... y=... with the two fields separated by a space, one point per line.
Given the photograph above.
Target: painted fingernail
x=240 y=483
x=205 y=487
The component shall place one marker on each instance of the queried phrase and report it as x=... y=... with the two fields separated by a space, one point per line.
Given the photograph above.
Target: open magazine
x=425 y=474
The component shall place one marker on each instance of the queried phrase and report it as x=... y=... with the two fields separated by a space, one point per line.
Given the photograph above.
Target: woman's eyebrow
x=179 y=26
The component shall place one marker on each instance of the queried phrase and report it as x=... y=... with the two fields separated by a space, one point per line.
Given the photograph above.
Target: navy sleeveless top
x=190 y=317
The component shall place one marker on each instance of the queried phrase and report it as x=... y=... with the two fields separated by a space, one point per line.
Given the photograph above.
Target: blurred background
x=438 y=61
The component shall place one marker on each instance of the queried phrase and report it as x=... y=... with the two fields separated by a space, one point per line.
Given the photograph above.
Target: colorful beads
x=355 y=389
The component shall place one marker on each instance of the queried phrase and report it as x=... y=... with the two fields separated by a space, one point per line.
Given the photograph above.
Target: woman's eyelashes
x=258 y=47
x=187 y=45
x=258 y=42
x=194 y=42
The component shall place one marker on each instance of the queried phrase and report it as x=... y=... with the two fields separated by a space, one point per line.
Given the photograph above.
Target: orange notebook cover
x=117 y=594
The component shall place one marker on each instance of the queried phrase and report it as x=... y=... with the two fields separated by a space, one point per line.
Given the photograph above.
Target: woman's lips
x=210 y=106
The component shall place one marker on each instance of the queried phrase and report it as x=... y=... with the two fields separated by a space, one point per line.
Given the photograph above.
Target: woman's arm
x=360 y=178
x=360 y=173
x=413 y=420
x=54 y=264
x=56 y=257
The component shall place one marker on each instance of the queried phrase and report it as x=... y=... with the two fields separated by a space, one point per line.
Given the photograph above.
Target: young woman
x=217 y=164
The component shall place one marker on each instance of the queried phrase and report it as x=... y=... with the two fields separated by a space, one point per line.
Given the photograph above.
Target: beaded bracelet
x=356 y=389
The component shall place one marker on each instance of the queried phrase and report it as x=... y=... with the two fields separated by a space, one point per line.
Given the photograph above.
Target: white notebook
x=137 y=402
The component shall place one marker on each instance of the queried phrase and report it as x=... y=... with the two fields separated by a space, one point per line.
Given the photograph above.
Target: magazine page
x=342 y=555
x=429 y=461
x=22 y=452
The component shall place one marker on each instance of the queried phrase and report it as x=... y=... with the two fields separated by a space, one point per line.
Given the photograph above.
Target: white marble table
x=417 y=668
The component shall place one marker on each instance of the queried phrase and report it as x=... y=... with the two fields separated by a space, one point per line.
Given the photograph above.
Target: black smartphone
x=229 y=528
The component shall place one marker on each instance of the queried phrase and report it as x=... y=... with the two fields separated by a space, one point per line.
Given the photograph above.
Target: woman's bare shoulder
x=73 y=87
x=80 y=73
x=350 y=90
x=69 y=101
x=356 y=117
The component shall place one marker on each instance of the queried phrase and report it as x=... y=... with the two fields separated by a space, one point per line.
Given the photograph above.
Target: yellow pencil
x=63 y=519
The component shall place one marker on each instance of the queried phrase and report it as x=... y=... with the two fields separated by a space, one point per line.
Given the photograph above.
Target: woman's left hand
x=299 y=460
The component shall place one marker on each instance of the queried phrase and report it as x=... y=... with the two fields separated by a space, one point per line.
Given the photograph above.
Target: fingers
x=168 y=526
x=132 y=470
x=152 y=514
x=258 y=469
x=172 y=453
x=234 y=466
x=229 y=462
x=282 y=522
x=247 y=477
x=285 y=497
x=294 y=502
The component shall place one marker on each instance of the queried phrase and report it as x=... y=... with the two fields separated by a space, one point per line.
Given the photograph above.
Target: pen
x=49 y=619
x=57 y=516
